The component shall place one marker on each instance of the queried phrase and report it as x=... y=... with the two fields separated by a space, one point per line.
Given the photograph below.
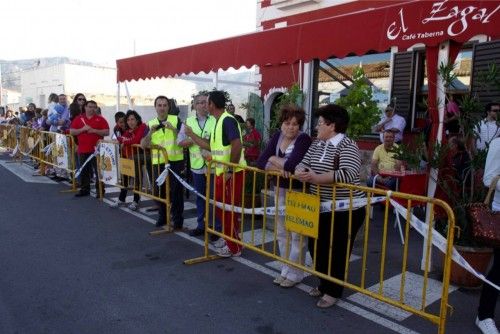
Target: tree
x=363 y=111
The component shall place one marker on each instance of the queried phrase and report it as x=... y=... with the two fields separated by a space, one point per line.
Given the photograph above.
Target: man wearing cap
x=391 y=122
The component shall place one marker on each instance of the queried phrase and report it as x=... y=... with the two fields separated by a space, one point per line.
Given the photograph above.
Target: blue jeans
x=390 y=183
x=200 y=184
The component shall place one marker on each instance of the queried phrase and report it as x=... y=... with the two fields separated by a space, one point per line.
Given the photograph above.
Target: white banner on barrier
x=61 y=151
x=108 y=166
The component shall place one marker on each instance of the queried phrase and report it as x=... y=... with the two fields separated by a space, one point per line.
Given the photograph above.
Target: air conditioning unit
x=289 y=4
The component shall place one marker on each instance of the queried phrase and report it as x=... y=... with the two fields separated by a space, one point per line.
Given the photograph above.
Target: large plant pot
x=478 y=258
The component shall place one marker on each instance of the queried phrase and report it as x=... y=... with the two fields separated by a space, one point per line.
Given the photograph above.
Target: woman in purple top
x=283 y=152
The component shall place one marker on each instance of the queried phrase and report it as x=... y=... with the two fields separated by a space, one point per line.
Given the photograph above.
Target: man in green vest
x=202 y=124
x=225 y=145
x=163 y=132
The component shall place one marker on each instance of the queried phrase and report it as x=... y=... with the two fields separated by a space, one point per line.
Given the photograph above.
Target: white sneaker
x=225 y=252
x=116 y=204
x=219 y=243
x=487 y=326
x=133 y=206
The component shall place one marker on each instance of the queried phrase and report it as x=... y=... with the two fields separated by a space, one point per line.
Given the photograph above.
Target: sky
x=102 y=31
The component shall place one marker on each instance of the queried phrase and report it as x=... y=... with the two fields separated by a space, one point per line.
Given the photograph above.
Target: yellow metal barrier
x=48 y=148
x=139 y=170
x=150 y=172
x=302 y=211
x=8 y=136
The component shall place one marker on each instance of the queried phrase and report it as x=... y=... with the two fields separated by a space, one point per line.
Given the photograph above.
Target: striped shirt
x=344 y=159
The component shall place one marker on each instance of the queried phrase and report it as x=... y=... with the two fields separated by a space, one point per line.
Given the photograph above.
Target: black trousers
x=123 y=191
x=176 y=193
x=489 y=294
x=339 y=247
x=86 y=173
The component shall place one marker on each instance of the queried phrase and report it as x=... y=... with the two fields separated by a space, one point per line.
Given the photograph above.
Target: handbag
x=485 y=222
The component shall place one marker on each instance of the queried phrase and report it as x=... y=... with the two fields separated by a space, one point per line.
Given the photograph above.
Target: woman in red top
x=135 y=131
x=251 y=142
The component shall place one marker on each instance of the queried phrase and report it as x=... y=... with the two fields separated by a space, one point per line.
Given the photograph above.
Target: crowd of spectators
x=215 y=132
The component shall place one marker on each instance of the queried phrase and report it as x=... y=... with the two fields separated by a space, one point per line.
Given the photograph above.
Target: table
x=409 y=182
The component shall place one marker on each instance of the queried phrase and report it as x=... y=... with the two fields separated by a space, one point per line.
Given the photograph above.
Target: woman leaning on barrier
x=135 y=130
x=282 y=153
x=332 y=158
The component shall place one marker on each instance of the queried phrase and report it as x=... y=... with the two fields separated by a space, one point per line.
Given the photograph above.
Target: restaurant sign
x=445 y=18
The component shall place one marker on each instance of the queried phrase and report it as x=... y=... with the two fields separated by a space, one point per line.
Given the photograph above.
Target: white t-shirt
x=492 y=169
x=488 y=130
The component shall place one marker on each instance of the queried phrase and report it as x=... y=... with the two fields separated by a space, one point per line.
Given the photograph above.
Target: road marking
x=147 y=210
x=25 y=173
x=413 y=295
x=306 y=288
x=277 y=264
x=257 y=237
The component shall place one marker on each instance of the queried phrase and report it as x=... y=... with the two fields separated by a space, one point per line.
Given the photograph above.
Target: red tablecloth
x=409 y=182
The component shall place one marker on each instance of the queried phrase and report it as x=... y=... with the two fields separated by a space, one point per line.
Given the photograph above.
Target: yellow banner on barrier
x=127 y=167
x=302 y=213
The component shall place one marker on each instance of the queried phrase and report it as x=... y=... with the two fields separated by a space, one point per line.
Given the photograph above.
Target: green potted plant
x=459 y=194
x=411 y=155
x=359 y=103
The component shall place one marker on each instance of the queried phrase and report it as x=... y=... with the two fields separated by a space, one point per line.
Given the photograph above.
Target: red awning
x=402 y=25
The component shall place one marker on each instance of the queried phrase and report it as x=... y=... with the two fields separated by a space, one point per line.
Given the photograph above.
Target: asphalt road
x=73 y=265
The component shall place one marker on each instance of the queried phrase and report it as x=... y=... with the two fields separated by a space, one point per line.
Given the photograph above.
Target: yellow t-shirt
x=385 y=159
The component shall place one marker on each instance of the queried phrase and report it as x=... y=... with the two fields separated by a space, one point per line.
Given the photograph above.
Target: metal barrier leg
x=398 y=223
x=373 y=186
x=163 y=230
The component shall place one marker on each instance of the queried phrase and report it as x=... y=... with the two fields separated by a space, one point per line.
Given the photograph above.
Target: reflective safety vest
x=197 y=161
x=166 y=139
x=218 y=150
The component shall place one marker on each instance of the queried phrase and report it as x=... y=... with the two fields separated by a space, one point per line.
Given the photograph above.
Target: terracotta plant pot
x=478 y=258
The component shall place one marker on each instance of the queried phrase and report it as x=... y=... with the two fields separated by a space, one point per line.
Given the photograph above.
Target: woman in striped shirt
x=332 y=158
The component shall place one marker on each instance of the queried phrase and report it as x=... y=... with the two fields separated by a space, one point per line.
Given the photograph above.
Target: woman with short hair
x=332 y=158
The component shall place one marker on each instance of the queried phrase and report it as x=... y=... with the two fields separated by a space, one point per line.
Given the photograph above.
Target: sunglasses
x=81 y=99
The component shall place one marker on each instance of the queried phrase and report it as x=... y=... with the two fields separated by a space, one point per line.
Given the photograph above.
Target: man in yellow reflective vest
x=225 y=145
x=202 y=124
x=163 y=132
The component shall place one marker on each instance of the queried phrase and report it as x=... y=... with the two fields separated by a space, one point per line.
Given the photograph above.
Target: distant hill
x=11 y=69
